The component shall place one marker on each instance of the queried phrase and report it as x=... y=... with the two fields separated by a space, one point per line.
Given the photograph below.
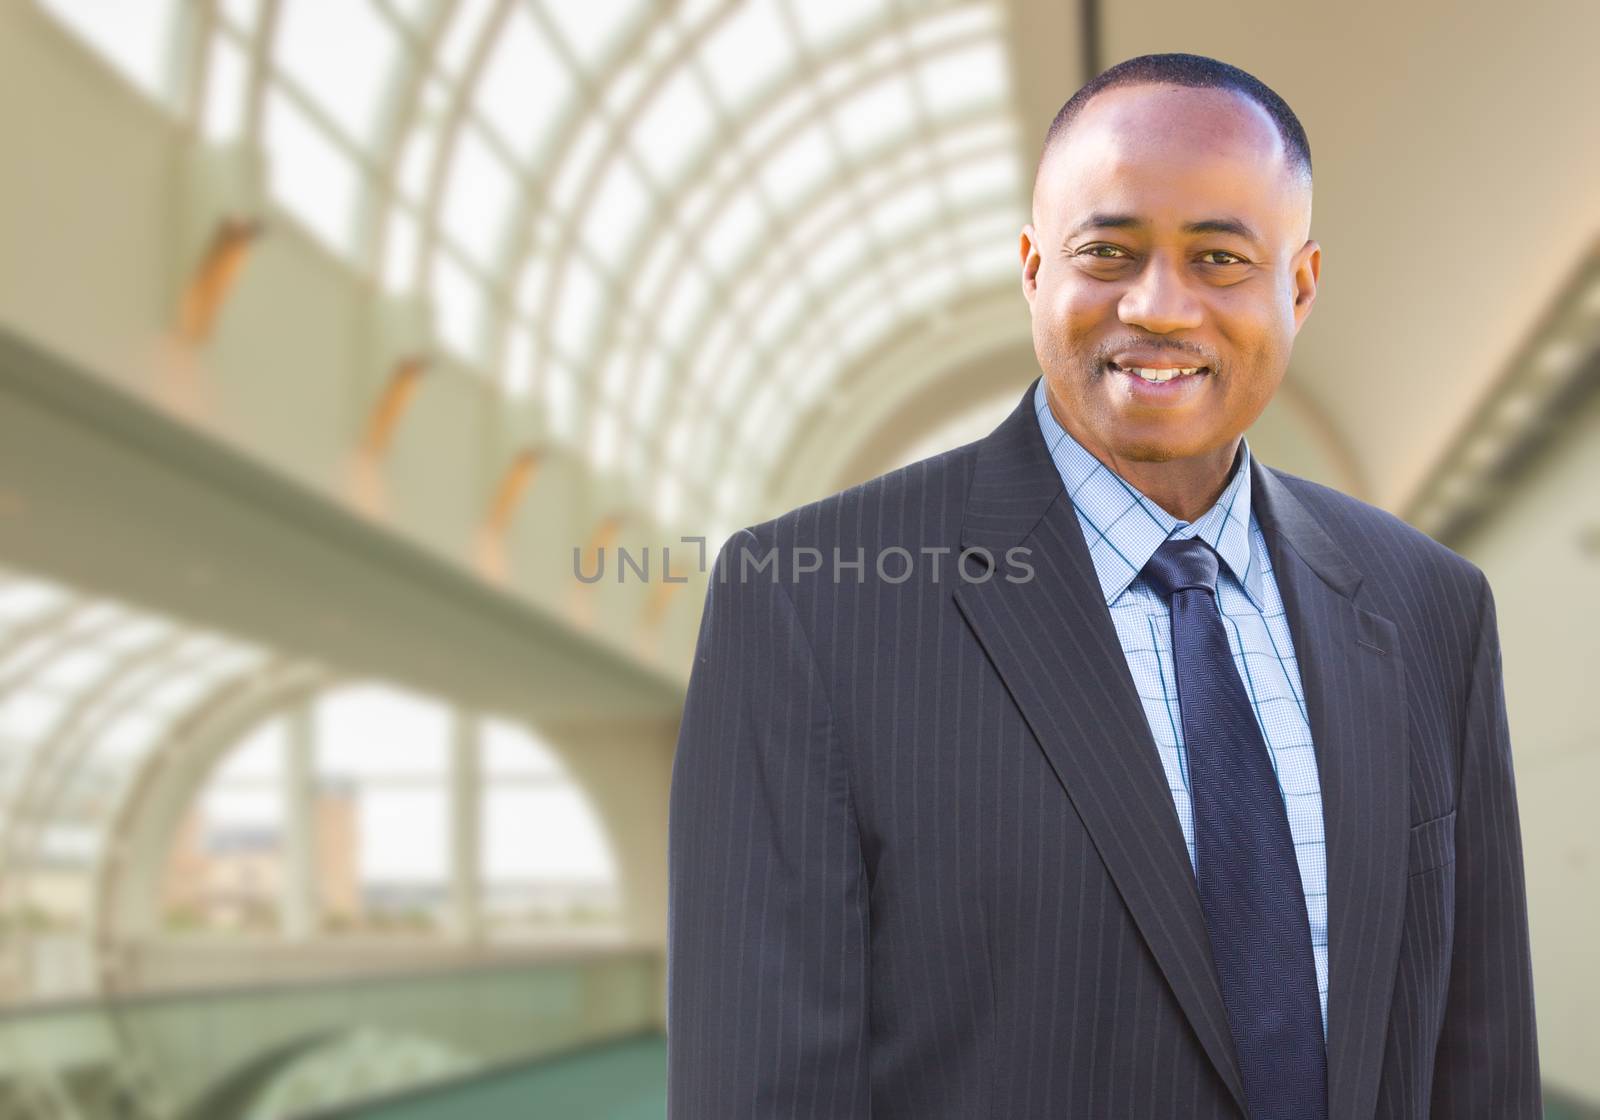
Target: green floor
x=1555 y=1108
x=622 y=1081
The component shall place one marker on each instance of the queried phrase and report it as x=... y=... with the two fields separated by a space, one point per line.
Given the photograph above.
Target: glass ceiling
x=671 y=226
x=89 y=692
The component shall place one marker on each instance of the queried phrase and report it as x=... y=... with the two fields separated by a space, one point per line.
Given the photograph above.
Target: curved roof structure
x=672 y=228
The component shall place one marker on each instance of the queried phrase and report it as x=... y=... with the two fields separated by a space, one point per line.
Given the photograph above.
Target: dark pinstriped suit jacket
x=923 y=861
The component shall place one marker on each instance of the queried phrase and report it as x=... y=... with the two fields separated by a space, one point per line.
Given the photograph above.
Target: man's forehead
x=1209 y=145
x=1148 y=122
x=1147 y=106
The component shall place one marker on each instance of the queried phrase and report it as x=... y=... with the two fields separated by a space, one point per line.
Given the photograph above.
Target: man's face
x=1168 y=231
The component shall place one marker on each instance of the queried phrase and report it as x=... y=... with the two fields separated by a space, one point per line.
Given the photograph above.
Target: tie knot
x=1182 y=563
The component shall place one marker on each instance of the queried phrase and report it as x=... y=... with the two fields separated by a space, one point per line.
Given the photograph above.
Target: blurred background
x=335 y=333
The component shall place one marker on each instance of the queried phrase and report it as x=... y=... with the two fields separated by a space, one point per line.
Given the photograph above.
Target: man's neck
x=1185 y=488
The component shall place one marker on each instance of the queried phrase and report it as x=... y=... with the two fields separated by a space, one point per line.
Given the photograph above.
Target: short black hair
x=1194 y=71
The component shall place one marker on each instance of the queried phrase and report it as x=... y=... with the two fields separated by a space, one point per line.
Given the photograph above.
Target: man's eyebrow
x=1128 y=221
x=1106 y=221
x=1222 y=225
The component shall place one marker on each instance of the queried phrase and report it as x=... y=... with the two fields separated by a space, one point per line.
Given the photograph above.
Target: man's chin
x=1156 y=447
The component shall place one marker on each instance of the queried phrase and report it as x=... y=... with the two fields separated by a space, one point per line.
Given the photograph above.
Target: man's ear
x=1307 y=269
x=1028 y=246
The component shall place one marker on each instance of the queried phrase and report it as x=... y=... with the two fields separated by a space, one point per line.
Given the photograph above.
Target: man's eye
x=1232 y=258
x=1103 y=252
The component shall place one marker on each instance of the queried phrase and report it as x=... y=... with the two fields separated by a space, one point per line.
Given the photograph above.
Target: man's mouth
x=1159 y=374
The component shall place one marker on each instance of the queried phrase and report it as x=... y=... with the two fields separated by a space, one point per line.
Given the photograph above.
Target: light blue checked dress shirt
x=1123 y=528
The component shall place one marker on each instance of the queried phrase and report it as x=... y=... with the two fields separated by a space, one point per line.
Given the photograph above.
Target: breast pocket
x=1433 y=843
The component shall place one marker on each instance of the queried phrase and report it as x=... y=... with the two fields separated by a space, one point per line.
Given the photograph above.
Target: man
x=1194 y=801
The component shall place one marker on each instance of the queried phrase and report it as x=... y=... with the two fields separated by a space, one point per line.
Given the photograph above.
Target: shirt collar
x=1124 y=527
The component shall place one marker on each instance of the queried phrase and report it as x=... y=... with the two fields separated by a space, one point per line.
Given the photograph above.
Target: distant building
x=231 y=877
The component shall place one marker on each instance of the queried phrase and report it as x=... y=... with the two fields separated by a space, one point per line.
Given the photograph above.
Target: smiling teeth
x=1163 y=374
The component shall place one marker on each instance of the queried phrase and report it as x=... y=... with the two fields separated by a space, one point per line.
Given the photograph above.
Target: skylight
x=722 y=204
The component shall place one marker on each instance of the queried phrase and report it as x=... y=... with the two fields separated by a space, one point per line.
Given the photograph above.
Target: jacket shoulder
x=1385 y=547
x=919 y=503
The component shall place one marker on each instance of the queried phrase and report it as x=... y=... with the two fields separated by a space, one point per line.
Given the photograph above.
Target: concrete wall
x=1541 y=552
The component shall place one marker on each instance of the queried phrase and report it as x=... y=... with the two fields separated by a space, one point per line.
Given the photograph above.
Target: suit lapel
x=1053 y=643
x=1353 y=675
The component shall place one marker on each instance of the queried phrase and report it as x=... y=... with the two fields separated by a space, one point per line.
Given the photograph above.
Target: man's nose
x=1159 y=299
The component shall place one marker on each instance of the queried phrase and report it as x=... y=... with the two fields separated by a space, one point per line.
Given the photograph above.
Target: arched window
x=348 y=810
x=546 y=864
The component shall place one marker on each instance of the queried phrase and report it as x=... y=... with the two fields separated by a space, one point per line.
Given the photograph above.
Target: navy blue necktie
x=1250 y=890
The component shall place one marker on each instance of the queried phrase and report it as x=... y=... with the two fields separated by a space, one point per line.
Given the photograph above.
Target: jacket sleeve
x=1487 y=1062
x=767 y=898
